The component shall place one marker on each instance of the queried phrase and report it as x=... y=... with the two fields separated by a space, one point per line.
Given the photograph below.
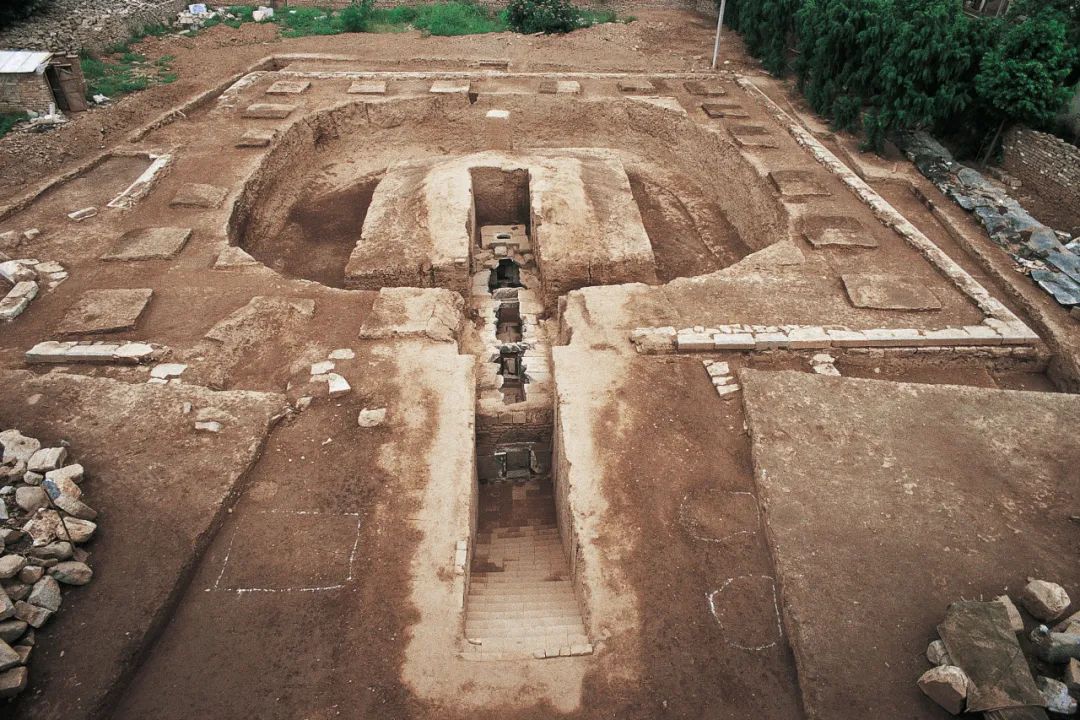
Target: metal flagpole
x=719 y=22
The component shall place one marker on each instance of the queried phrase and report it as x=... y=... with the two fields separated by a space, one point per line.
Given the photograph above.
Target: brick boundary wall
x=1046 y=164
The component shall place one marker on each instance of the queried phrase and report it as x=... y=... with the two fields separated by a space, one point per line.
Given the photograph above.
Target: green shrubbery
x=546 y=16
x=888 y=65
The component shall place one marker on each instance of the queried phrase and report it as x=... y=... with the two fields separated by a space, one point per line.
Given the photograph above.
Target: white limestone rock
x=371 y=418
x=1044 y=600
x=947 y=685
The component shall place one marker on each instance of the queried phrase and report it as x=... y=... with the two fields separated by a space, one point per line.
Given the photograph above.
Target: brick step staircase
x=521 y=603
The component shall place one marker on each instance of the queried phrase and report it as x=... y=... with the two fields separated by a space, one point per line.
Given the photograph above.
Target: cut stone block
x=268 y=111
x=691 y=342
x=450 y=87
x=797 y=183
x=199 y=195
x=836 y=231
x=99 y=311
x=288 y=87
x=256 y=138
x=156 y=243
x=636 y=85
x=560 y=87
x=725 y=110
x=368 y=87
x=703 y=88
x=733 y=341
x=753 y=136
x=888 y=292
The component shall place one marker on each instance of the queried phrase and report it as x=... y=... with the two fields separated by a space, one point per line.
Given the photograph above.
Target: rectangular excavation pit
x=501 y=205
x=522 y=601
x=836 y=231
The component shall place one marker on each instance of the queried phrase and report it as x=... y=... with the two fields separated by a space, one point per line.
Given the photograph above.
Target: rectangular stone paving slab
x=98 y=311
x=560 y=87
x=449 y=87
x=288 y=87
x=753 y=136
x=703 y=88
x=636 y=85
x=199 y=195
x=797 y=183
x=256 y=138
x=368 y=87
x=888 y=292
x=268 y=111
x=836 y=231
x=156 y=243
x=724 y=110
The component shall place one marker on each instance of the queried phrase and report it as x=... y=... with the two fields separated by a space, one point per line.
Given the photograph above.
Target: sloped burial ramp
x=980 y=640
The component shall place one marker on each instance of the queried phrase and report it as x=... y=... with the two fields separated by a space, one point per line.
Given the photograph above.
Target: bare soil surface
x=161 y=490
x=898 y=471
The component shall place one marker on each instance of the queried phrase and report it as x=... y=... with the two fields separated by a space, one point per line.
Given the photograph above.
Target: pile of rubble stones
x=71 y=25
x=1051 y=655
x=43 y=524
x=1051 y=258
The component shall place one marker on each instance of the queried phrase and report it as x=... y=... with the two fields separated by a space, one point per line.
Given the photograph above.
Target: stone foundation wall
x=1046 y=164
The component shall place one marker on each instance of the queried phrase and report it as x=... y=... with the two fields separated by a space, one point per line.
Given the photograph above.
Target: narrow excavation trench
x=521 y=599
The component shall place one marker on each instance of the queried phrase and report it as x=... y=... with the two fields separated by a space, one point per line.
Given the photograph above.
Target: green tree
x=839 y=43
x=766 y=27
x=1022 y=78
x=927 y=69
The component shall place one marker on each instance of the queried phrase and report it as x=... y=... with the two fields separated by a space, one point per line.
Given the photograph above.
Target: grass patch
x=10 y=120
x=121 y=73
x=449 y=18
x=443 y=19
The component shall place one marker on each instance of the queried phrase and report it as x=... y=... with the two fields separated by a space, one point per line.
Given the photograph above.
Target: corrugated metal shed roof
x=21 y=61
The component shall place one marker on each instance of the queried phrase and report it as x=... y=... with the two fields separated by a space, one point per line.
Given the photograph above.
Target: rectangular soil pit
x=797 y=183
x=560 y=87
x=368 y=87
x=888 y=292
x=500 y=197
x=636 y=86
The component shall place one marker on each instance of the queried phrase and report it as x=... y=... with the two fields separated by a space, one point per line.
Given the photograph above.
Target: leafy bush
x=355 y=17
x=546 y=16
x=9 y=120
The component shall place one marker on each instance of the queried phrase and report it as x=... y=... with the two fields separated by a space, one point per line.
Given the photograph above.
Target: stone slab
x=704 y=88
x=886 y=502
x=636 y=85
x=156 y=518
x=368 y=87
x=154 y=243
x=288 y=87
x=836 y=231
x=256 y=138
x=732 y=111
x=888 y=292
x=560 y=87
x=450 y=87
x=199 y=195
x=797 y=183
x=268 y=111
x=100 y=311
x=753 y=136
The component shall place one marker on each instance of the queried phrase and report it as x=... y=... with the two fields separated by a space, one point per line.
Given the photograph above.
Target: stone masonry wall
x=1048 y=165
x=71 y=25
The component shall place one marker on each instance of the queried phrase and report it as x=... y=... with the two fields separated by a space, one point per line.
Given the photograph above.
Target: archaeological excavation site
x=517 y=380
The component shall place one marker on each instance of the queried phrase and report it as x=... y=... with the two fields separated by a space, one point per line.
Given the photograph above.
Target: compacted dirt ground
x=300 y=565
